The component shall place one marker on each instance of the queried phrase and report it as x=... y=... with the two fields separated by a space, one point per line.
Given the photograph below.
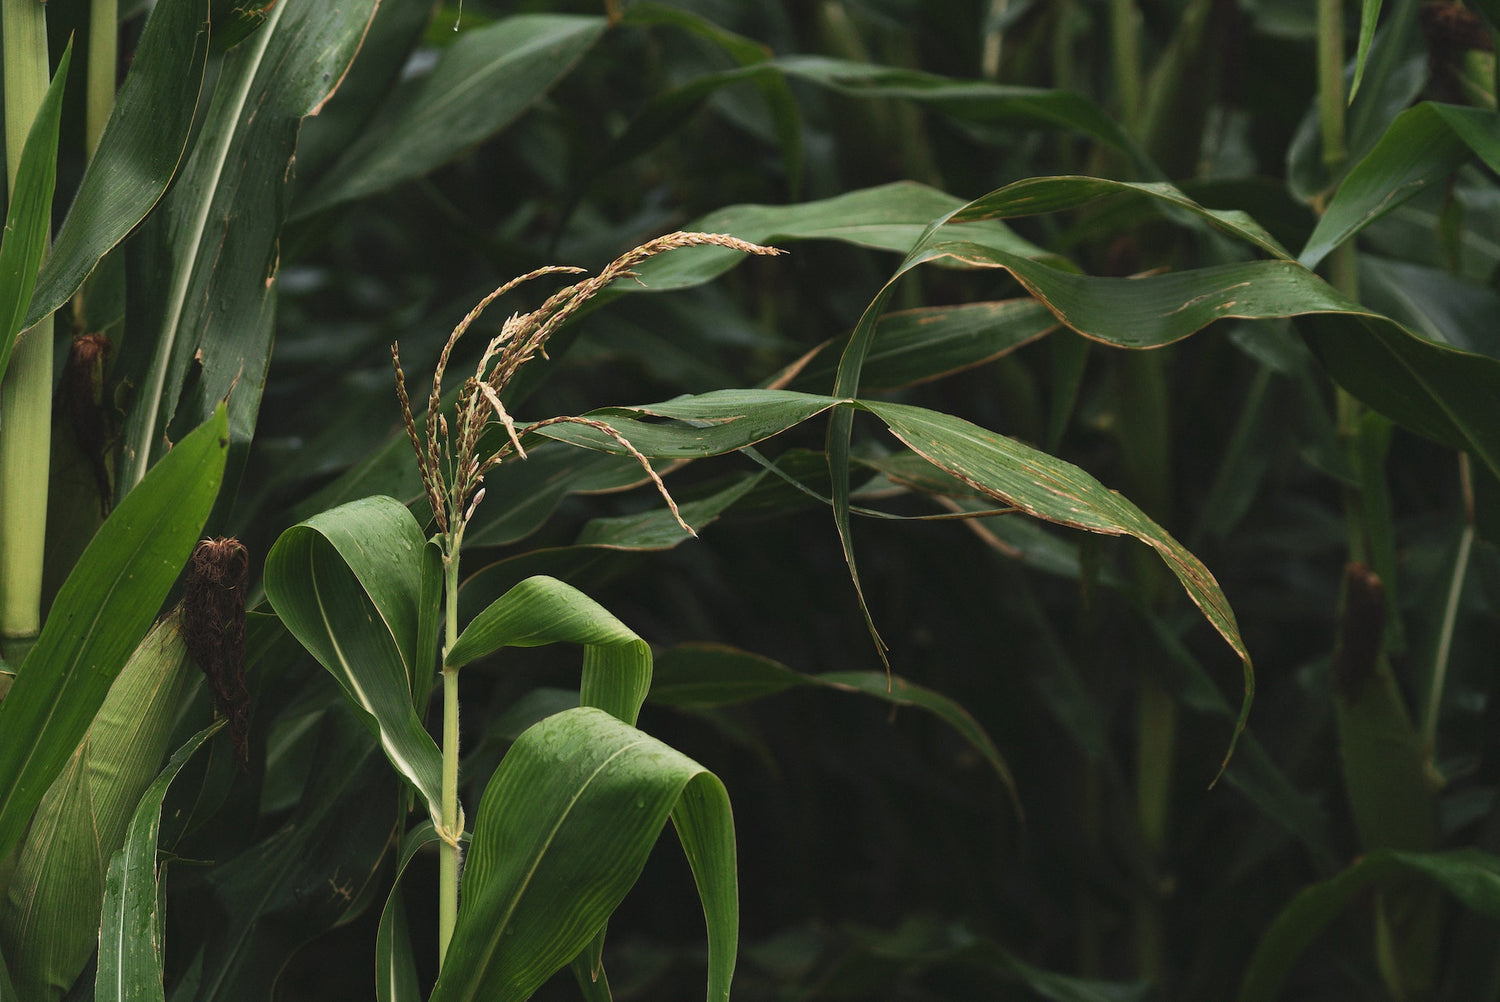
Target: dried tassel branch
x=451 y=471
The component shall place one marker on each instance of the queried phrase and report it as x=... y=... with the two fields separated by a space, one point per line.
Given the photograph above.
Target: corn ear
x=50 y=923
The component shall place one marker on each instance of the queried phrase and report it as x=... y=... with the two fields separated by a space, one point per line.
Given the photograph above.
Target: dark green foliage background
x=881 y=857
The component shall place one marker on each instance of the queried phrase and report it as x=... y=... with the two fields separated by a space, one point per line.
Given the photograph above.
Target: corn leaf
x=482 y=83
x=28 y=216
x=1422 y=148
x=351 y=585
x=98 y=617
x=130 y=955
x=395 y=967
x=562 y=833
x=1368 y=16
x=1469 y=875
x=707 y=424
x=543 y=610
x=1034 y=196
x=206 y=264
x=1057 y=491
x=138 y=153
x=51 y=920
x=711 y=675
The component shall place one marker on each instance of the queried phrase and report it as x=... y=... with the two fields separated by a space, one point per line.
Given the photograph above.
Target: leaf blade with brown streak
x=1057 y=491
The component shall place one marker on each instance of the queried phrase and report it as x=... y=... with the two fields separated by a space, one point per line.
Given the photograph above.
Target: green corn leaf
x=28 y=216
x=524 y=493
x=130 y=953
x=138 y=153
x=712 y=675
x=55 y=891
x=708 y=424
x=355 y=585
x=316 y=871
x=543 y=610
x=668 y=112
x=889 y=217
x=482 y=83
x=205 y=264
x=915 y=346
x=1038 y=195
x=1368 y=16
x=51 y=919
x=395 y=966
x=1469 y=875
x=976 y=101
x=1051 y=489
x=562 y=833
x=1421 y=148
x=99 y=615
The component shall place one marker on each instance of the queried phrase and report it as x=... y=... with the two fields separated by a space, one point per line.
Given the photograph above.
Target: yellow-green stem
x=1331 y=82
x=1450 y=617
x=26 y=397
x=104 y=54
x=448 y=862
x=1125 y=41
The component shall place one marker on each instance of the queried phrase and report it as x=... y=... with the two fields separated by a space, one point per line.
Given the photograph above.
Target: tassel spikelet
x=452 y=471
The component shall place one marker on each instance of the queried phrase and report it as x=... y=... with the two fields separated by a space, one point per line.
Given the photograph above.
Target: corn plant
x=1236 y=260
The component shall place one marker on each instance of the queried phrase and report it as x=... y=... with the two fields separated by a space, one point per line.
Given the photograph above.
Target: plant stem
x=448 y=861
x=104 y=50
x=26 y=397
x=1450 y=617
x=1125 y=43
x=1331 y=82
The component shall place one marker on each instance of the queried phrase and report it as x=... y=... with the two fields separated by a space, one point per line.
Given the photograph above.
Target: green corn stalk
x=1386 y=776
x=26 y=394
x=453 y=467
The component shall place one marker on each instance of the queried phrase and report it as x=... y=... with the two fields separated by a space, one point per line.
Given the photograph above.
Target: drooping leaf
x=1038 y=195
x=203 y=288
x=711 y=675
x=98 y=617
x=888 y=217
x=975 y=101
x=482 y=83
x=350 y=584
x=1057 y=491
x=543 y=610
x=28 y=216
x=1469 y=875
x=562 y=833
x=130 y=949
x=914 y=346
x=138 y=153
x=708 y=424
